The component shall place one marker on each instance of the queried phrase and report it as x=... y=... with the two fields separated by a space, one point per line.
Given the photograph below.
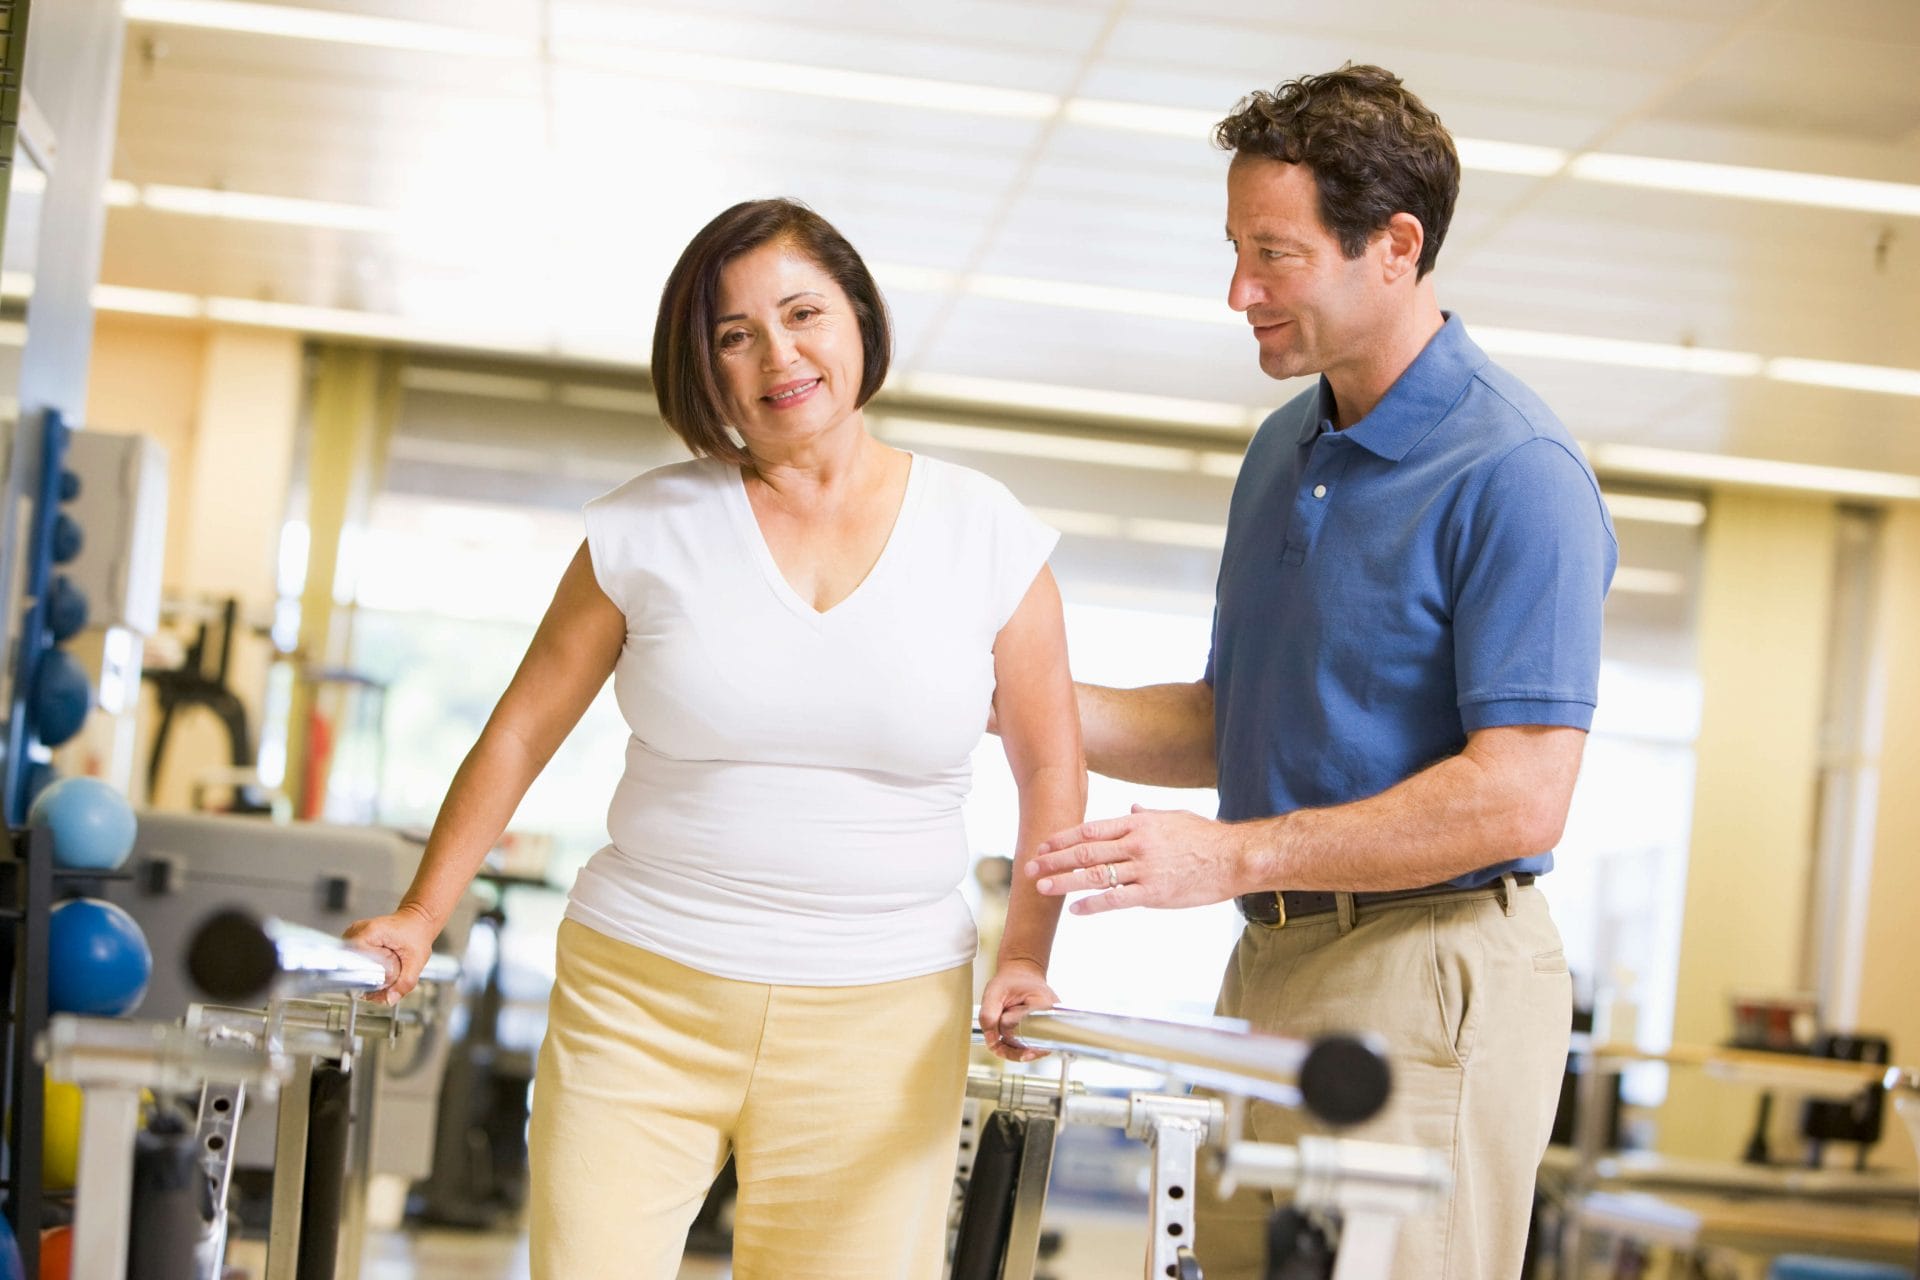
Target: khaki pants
x=1472 y=995
x=841 y=1106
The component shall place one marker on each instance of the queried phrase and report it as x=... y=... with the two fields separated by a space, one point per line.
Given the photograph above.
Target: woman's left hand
x=1018 y=986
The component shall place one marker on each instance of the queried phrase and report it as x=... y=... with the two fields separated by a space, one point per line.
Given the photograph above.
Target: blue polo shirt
x=1436 y=568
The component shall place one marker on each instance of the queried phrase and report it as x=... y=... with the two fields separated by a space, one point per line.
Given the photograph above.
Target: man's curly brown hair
x=1374 y=150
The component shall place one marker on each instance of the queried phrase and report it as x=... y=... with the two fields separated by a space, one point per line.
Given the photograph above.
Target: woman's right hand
x=404 y=940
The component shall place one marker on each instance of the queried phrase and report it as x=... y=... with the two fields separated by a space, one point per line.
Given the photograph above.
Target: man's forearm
x=1488 y=804
x=1161 y=735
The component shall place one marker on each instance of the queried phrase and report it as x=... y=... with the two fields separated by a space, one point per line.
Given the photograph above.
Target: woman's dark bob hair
x=684 y=380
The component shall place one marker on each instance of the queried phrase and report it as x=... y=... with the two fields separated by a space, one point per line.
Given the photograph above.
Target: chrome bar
x=1340 y=1173
x=117 y=1053
x=1340 y=1079
x=239 y=958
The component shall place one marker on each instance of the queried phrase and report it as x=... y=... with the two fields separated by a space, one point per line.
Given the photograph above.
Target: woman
x=807 y=630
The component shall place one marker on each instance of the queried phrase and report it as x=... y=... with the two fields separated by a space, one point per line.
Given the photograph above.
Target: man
x=1405 y=654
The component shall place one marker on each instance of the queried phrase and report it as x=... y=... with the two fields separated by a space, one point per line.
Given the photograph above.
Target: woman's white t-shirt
x=790 y=811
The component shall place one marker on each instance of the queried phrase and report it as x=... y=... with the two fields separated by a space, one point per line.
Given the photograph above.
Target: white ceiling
x=534 y=194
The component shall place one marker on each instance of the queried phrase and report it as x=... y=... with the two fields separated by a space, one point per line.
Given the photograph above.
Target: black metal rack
x=26 y=904
x=30 y=887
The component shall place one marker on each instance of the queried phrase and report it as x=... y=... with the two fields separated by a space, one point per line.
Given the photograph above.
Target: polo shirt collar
x=1418 y=399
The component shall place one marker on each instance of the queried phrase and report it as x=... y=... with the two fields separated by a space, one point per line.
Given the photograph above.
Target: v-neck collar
x=734 y=480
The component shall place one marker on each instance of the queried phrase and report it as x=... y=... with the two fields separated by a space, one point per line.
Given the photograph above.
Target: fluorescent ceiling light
x=1624 y=459
x=366 y=324
x=16 y=284
x=1095 y=297
x=204 y=203
x=1036 y=444
x=1745 y=183
x=120 y=194
x=1085 y=401
x=897 y=275
x=1509 y=157
x=1648 y=582
x=28 y=181
x=812 y=81
x=147 y=302
x=1646 y=509
x=1616 y=351
x=330 y=26
x=1139 y=117
x=1852 y=377
x=12 y=334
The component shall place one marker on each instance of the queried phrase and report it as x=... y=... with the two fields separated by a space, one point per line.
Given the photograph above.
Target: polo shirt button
x=1319 y=491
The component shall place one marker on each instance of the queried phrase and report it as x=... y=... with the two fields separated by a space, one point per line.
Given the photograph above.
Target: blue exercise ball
x=67 y=538
x=66 y=608
x=98 y=959
x=61 y=697
x=11 y=1267
x=69 y=485
x=92 y=823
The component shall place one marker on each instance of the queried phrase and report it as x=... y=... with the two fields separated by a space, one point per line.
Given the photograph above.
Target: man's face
x=1311 y=307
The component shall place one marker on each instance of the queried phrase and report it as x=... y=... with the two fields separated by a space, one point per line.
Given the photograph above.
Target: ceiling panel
x=549 y=193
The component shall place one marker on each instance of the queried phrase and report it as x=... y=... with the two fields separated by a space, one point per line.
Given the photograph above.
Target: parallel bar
x=238 y=958
x=1342 y=1079
x=103 y=1188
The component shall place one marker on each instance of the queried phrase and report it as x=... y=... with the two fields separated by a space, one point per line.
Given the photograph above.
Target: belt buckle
x=1279 y=920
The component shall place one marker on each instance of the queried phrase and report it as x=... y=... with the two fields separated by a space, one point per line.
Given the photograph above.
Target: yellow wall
x=1765 y=595
x=225 y=404
x=145 y=380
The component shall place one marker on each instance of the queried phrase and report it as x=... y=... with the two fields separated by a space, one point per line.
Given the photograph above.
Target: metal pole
x=103 y=1187
x=1340 y=1079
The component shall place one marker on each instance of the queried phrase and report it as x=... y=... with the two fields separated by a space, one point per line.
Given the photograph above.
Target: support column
x=355 y=399
x=1766 y=590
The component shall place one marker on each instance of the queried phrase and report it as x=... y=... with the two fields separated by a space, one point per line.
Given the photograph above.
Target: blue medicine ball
x=98 y=958
x=67 y=538
x=69 y=486
x=10 y=1265
x=92 y=823
x=61 y=697
x=66 y=608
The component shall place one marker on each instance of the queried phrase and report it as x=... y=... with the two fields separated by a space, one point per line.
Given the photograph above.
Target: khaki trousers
x=841 y=1106
x=1472 y=995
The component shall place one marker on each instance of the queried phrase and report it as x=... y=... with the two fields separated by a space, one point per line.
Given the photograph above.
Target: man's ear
x=1402 y=239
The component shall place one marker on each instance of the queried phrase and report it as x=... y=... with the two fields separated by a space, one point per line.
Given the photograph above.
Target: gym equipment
x=98 y=959
x=60 y=1137
x=61 y=697
x=92 y=824
x=66 y=609
x=56 y=1253
x=1357 y=1192
x=1578 y=1186
x=68 y=538
x=187 y=867
x=143 y=1208
x=479 y=1174
x=10 y=1268
x=26 y=743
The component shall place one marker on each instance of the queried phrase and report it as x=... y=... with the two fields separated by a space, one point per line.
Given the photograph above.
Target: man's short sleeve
x=1534 y=563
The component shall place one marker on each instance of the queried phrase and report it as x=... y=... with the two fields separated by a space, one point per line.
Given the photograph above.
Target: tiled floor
x=1096 y=1245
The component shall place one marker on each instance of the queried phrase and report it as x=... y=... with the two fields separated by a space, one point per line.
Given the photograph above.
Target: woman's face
x=787 y=347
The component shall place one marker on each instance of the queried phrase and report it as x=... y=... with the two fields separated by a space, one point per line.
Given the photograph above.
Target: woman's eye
x=732 y=338
x=803 y=314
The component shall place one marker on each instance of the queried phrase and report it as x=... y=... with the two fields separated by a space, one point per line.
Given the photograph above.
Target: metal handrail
x=1342 y=1079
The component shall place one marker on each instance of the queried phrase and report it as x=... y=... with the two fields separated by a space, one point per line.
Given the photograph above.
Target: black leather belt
x=1276 y=909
